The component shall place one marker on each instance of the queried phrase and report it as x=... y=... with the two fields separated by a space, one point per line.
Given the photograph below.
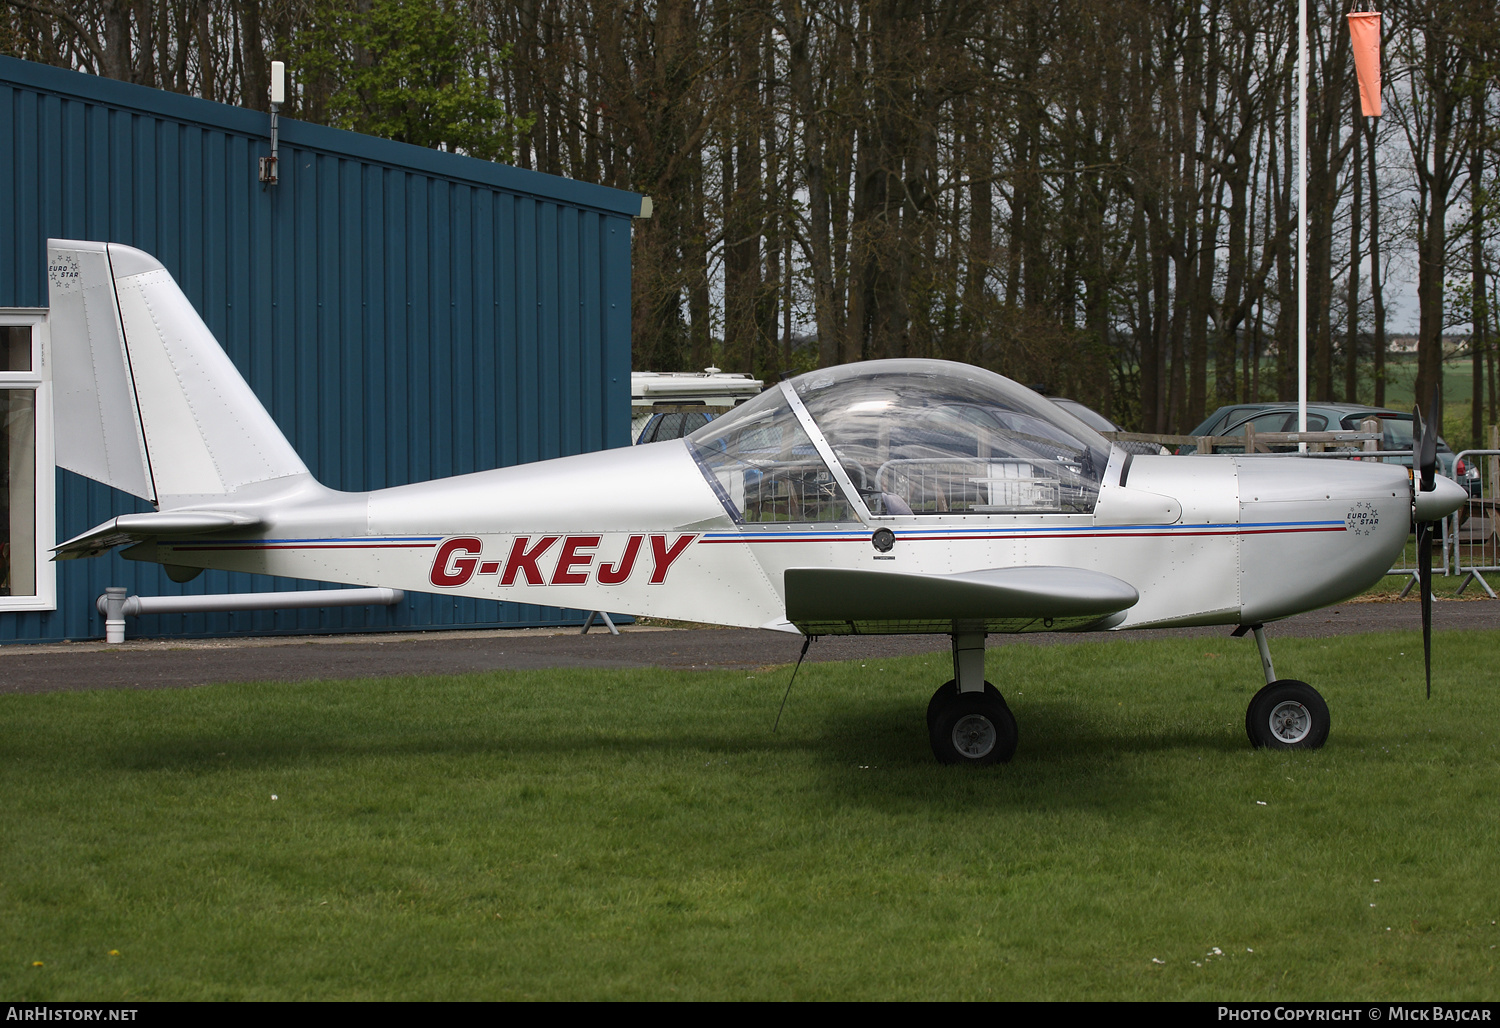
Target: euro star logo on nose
x=1362 y=518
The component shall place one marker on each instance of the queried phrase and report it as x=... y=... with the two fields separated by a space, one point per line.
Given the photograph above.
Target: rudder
x=146 y=398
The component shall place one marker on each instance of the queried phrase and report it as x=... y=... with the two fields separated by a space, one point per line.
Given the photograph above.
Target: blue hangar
x=404 y=314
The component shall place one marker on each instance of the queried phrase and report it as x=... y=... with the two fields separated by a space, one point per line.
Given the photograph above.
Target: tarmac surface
x=176 y=663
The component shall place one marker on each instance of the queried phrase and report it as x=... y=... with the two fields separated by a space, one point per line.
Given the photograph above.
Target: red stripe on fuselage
x=1023 y=536
x=305 y=546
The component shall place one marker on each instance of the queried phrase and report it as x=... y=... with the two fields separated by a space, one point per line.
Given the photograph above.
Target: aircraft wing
x=844 y=601
x=135 y=528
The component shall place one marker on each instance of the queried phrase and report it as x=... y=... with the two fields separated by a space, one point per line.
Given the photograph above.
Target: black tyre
x=971 y=727
x=1287 y=715
x=949 y=689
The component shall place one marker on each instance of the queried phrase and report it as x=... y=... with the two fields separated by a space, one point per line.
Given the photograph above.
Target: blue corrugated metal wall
x=404 y=314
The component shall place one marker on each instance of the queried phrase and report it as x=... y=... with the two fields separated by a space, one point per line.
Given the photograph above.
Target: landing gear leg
x=968 y=721
x=1287 y=714
x=1265 y=652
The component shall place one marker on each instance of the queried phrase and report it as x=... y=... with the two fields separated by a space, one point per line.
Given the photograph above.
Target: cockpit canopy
x=909 y=437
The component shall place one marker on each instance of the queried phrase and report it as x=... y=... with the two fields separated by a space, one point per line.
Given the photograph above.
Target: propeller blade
x=1424 y=460
x=1426 y=456
x=1424 y=582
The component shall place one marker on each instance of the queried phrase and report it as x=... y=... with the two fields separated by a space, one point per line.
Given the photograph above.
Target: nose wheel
x=1287 y=715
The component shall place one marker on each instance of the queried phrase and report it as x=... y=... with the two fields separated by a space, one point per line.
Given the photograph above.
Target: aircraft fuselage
x=1205 y=540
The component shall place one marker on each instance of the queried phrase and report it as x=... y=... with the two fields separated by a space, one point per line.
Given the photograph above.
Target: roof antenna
x=806 y=642
x=268 y=174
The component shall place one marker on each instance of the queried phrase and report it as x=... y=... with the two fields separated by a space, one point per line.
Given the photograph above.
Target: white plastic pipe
x=116 y=606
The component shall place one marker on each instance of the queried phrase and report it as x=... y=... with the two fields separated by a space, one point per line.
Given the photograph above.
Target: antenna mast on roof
x=268 y=174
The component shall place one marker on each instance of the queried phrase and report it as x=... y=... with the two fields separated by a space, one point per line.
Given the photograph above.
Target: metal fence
x=1343 y=442
x=1475 y=527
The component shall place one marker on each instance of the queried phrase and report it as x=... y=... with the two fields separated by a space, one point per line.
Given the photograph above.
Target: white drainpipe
x=116 y=606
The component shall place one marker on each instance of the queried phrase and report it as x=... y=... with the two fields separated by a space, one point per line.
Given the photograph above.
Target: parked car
x=1396 y=430
x=673 y=425
x=1221 y=418
x=711 y=391
x=1099 y=423
x=1321 y=417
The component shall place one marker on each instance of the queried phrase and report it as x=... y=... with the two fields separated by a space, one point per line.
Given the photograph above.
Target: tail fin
x=146 y=400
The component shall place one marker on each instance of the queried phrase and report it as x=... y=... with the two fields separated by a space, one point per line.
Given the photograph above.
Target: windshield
x=765 y=468
x=934 y=437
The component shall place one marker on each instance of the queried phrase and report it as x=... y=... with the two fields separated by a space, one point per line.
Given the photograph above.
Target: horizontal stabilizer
x=134 y=528
x=844 y=601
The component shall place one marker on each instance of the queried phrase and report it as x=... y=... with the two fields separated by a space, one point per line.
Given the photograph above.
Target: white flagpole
x=1302 y=219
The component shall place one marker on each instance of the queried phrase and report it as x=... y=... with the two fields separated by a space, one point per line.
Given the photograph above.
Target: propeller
x=1425 y=463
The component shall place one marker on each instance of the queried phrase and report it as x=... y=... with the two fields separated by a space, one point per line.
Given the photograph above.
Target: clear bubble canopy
x=910 y=437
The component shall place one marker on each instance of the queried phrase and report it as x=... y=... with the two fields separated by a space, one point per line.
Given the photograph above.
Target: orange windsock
x=1364 y=36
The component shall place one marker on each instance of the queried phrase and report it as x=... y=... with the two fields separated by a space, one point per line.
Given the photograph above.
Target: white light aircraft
x=906 y=496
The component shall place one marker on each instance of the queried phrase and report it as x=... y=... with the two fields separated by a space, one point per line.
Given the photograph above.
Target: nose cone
x=1445 y=498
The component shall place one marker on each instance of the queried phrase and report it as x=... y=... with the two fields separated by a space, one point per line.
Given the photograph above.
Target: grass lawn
x=644 y=835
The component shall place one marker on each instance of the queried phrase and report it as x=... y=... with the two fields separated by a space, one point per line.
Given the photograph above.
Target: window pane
x=15 y=347
x=18 y=491
x=763 y=464
x=929 y=437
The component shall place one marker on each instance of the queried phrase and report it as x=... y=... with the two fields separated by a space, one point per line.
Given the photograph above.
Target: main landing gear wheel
x=1287 y=715
x=948 y=690
x=970 y=727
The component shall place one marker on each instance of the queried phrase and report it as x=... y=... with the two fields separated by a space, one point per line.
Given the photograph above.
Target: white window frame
x=39 y=381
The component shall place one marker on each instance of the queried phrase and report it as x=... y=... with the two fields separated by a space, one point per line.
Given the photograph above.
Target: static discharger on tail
x=897 y=496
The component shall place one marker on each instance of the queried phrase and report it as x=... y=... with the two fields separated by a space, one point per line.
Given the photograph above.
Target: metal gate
x=1475 y=527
